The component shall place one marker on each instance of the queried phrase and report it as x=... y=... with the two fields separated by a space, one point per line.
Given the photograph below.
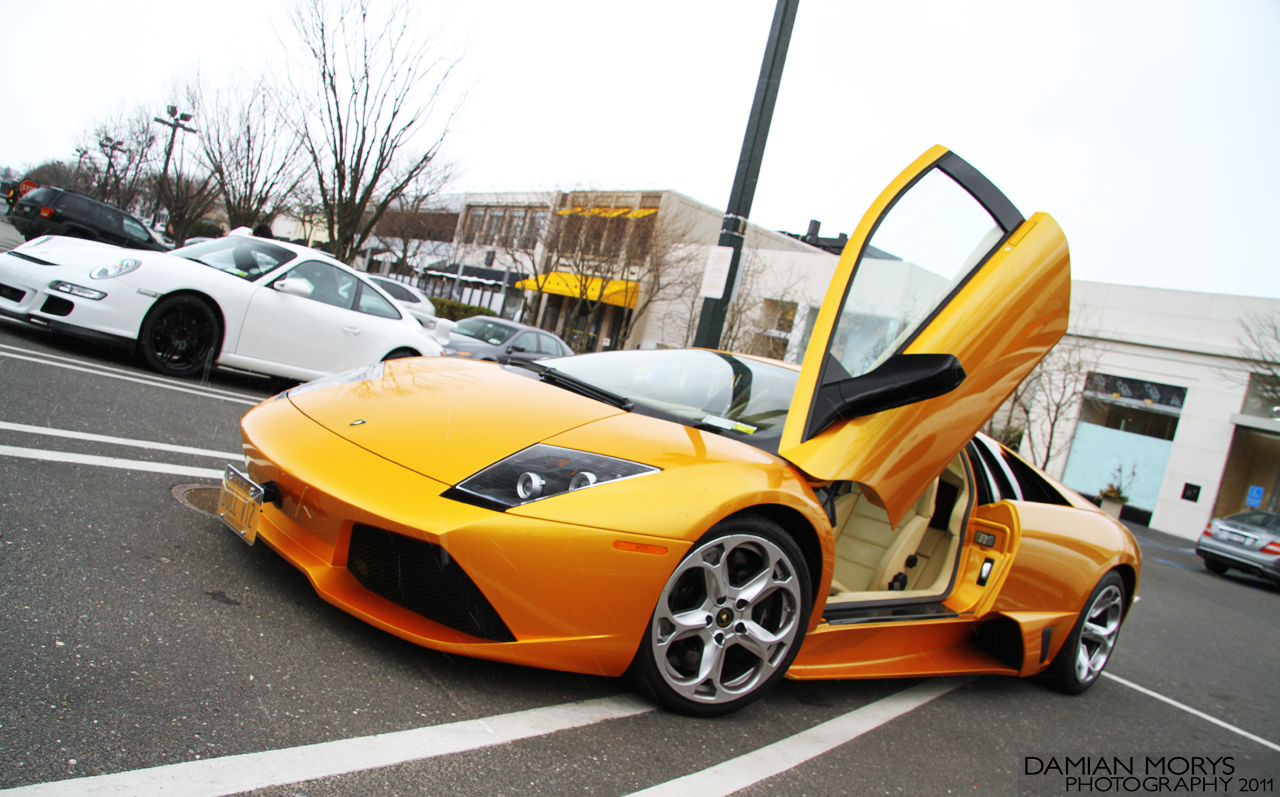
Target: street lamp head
x=185 y=117
x=173 y=110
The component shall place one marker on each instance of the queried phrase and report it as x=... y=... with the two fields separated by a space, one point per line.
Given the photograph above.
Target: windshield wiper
x=575 y=385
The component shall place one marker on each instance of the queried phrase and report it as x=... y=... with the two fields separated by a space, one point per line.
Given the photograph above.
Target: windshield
x=735 y=396
x=484 y=329
x=247 y=258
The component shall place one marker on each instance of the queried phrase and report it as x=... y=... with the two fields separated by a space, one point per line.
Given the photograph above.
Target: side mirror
x=297 y=287
x=900 y=380
x=514 y=348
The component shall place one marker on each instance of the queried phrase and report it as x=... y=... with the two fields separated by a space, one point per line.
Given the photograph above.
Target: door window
x=134 y=230
x=372 y=303
x=526 y=341
x=550 y=345
x=932 y=239
x=328 y=284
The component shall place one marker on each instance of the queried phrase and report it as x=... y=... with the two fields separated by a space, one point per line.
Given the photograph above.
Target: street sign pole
x=714 y=309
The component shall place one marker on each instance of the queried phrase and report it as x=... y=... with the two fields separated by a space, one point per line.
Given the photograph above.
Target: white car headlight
x=542 y=471
x=124 y=266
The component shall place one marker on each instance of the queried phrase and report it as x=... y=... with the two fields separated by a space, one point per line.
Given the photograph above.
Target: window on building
x=475 y=223
x=1132 y=405
x=533 y=228
x=1263 y=398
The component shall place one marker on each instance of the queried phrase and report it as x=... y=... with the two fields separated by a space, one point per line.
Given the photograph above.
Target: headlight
x=541 y=471
x=116 y=269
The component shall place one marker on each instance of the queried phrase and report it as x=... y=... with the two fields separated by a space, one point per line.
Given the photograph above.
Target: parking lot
x=147 y=648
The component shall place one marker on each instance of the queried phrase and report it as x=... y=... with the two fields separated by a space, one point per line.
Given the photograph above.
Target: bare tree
x=378 y=87
x=604 y=248
x=123 y=147
x=1037 y=415
x=1259 y=344
x=411 y=223
x=253 y=151
x=64 y=175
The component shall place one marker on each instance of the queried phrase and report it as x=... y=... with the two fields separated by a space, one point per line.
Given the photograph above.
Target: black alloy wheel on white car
x=180 y=336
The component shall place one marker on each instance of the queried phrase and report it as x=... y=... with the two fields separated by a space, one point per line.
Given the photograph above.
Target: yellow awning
x=617 y=292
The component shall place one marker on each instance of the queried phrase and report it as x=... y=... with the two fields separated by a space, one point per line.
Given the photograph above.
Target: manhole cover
x=200 y=497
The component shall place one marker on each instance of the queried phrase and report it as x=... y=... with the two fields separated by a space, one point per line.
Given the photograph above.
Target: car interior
x=875 y=561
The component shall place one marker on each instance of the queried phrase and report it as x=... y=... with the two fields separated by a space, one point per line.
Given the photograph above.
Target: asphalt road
x=142 y=640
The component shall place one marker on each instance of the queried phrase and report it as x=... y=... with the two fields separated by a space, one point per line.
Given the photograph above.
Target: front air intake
x=425 y=579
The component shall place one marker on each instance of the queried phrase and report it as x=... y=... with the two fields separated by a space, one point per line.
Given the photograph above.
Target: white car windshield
x=247 y=258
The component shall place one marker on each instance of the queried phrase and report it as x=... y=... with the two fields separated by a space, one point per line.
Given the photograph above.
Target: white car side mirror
x=441 y=331
x=297 y=287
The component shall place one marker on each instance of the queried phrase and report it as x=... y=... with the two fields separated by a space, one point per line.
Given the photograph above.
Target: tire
x=180 y=336
x=1215 y=566
x=729 y=621
x=399 y=354
x=1092 y=641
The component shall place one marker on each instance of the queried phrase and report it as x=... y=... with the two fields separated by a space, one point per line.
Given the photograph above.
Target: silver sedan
x=1247 y=541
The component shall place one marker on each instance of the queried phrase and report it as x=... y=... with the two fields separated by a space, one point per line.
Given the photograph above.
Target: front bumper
x=1242 y=559
x=25 y=295
x=570 y=598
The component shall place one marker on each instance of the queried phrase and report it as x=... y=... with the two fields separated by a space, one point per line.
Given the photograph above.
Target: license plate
x=1237 y=538
x=240 y=503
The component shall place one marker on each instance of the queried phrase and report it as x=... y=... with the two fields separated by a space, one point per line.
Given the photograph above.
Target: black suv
x=56 y=211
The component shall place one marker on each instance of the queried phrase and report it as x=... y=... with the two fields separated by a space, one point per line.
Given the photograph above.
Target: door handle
x=352 y=331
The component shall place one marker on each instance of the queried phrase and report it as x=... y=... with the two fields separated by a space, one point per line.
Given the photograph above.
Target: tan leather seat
x=870 y=552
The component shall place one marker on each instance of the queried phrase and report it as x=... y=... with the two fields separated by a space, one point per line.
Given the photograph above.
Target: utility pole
x=174 y=123
x=714 y=310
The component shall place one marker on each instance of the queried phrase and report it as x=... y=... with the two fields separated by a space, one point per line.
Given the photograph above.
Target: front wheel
x=180 y=336
x=1085 y=653
x=729 y=621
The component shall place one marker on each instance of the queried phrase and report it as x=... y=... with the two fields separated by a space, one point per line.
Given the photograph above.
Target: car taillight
x=1271 y=548
x=1208 y=530
x=46 y=212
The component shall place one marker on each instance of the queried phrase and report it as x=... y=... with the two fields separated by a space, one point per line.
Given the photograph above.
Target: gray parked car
x=497 y=340
x=1246 y=541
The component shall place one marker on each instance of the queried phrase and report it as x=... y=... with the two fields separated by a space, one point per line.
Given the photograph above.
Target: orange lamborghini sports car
x=707 y=523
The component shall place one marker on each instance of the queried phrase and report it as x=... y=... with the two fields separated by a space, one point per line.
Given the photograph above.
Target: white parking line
x=118 y=441
x=112 y=374
x=1193 y=711
x=110 y=462
x=157 y=378
x=242 y=773
x=747 y=770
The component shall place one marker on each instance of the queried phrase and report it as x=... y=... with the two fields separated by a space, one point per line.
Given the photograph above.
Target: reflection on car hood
x=447 y=419
x=76 y=252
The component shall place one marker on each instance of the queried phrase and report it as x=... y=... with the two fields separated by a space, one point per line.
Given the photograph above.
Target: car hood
x=446 y=418
x=78 y=255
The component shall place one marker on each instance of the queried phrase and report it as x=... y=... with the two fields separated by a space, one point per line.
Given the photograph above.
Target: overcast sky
x=1148 y=129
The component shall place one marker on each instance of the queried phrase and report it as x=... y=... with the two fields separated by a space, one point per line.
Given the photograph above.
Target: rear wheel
x=1214 y=566
x=180 y=336
x=729 y=621
x=1088 y=649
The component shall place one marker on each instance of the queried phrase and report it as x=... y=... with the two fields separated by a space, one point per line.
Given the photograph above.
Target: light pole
x=174 y=123
x=711 y=320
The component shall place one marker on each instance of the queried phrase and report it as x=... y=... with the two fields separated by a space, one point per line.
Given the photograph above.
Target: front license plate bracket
x=240 y=503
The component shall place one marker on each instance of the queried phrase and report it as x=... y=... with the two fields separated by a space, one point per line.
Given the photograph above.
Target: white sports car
x=239 y=301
